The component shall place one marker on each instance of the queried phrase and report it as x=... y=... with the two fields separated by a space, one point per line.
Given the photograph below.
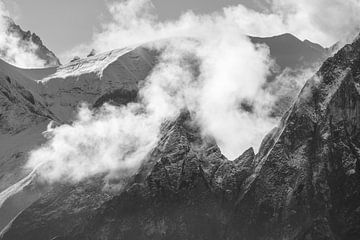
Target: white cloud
x=228 y=70
x=116 y=139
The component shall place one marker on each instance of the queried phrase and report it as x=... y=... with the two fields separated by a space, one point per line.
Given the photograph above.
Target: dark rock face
x=303 y=184
x=117 y=97
x=306 y=186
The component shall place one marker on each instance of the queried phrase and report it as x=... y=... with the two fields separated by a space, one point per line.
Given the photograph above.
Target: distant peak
x=25 y=38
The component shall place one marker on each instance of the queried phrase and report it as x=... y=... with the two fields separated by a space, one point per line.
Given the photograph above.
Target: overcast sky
x=63 y=24
x=66 y=25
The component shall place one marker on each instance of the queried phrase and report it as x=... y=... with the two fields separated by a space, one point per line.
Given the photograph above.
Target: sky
x=64 y=24
x=67 y=26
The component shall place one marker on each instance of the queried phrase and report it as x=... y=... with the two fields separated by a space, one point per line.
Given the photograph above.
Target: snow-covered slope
x=22 y=119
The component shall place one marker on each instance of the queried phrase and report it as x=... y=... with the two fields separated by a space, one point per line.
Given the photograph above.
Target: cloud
x=115 y=138
x=12 y=48
x=207 y=65
x=322 y=21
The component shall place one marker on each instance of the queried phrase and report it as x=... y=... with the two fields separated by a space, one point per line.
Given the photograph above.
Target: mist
x=229 y=70
x=208 y=67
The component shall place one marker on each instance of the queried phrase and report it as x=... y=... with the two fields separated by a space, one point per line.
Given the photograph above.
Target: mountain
x=302 y=184
x=296 y=61
x=22 y=115
x=110 y=76
x=26 y=39
x=182 y=165
x=291 y=52
x=31 y=98
x=23 y=118
x=96 y=79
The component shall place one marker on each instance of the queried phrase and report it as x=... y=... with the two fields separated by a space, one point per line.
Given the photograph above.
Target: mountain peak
x=26 y=38
x=291 y=52
x=302 y=184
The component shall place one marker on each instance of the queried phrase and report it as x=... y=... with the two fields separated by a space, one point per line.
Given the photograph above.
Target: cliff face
x=302 y=185
x=306 y=186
